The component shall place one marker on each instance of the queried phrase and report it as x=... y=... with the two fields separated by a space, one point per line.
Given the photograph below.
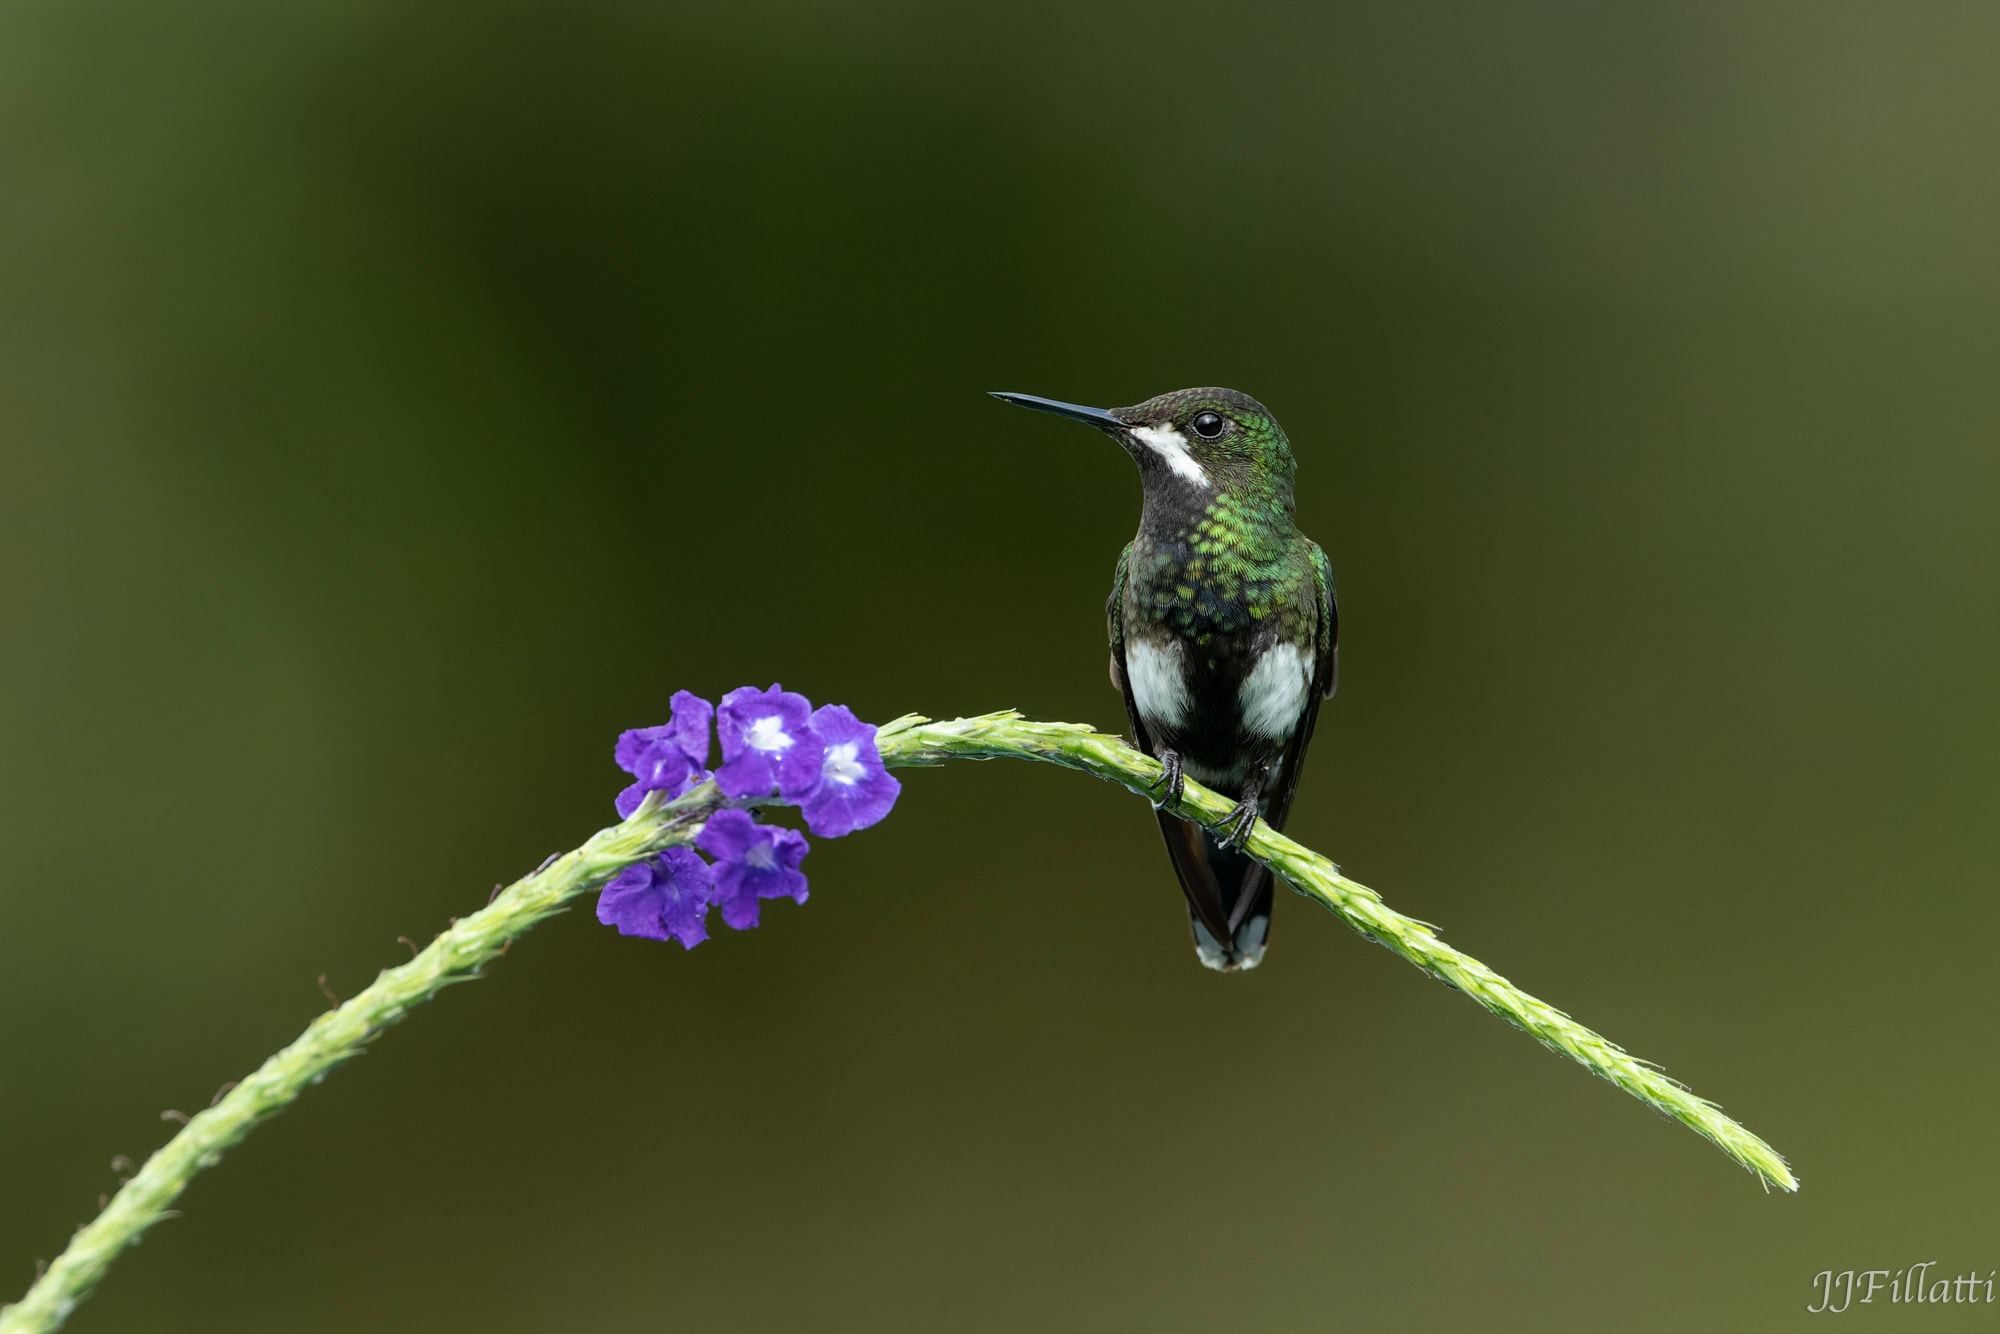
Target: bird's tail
x=1223 y=886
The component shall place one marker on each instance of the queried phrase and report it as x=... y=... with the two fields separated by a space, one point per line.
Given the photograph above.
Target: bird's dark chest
x=1209 y=653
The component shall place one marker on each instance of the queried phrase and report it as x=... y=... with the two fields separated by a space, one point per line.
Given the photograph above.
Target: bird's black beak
x=1098 y=417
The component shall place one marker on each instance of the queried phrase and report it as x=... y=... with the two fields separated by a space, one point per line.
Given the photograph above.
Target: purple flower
x=661 y=898
x=670 y=758
x=752 y=861
x=854 y=789
x=767 y=743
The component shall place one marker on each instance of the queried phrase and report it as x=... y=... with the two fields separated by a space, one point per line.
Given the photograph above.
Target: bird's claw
x=1234 y=831
x=1174 y=781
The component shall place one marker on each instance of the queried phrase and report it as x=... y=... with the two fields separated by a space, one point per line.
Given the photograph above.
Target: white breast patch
x=1274 y=694
x=1158 y=676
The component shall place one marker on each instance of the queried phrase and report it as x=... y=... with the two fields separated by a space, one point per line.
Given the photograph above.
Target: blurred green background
x=396 y=401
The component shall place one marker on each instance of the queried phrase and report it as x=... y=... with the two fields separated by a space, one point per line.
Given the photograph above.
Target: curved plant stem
x=915 y=740
x=459 y=953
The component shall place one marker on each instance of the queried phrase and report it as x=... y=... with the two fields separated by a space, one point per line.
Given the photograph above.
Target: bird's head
x=1190 y=439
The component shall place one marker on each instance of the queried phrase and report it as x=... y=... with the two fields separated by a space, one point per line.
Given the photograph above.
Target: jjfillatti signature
x=1839 y=1289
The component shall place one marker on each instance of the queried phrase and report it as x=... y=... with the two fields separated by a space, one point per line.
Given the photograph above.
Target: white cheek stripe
x=1172 y=447
x=1274 y=694
x=1159 y=682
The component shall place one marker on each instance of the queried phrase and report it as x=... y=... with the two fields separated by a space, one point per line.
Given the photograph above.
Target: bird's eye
x=1207 y=425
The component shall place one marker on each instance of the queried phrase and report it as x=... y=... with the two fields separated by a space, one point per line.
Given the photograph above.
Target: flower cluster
x=775 y=746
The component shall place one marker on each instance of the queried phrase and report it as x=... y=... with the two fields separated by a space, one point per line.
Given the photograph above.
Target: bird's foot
x=1170 y=778
x=1234 y=831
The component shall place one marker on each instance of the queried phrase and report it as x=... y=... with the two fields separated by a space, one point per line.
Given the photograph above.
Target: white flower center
x=842 y=766
x=768 y=733
x=763 y=856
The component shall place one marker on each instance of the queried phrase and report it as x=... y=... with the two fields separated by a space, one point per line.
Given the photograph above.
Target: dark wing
x=1254 y=896
x=1185 y=846
x=1325 y=679
x=1326 y=676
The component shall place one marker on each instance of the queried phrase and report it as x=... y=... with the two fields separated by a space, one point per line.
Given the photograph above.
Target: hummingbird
x=1224 y=638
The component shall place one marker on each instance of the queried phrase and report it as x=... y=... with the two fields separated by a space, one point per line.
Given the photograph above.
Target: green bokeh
x=397 y=401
